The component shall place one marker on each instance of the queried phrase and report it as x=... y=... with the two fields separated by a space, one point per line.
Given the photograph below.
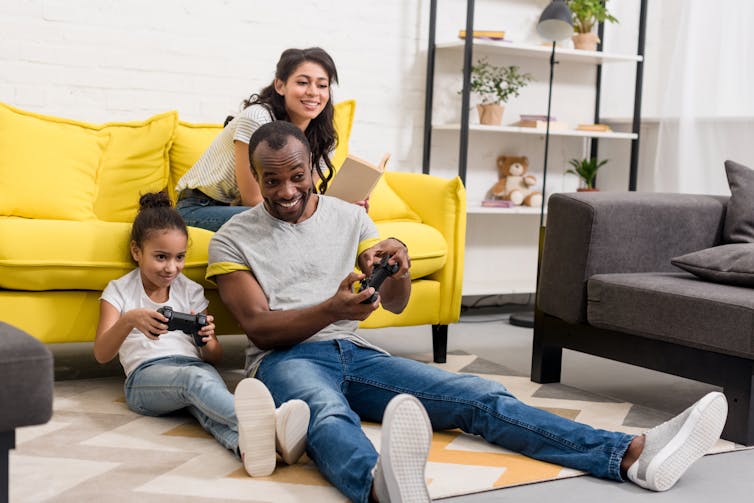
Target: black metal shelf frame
x=468 y=50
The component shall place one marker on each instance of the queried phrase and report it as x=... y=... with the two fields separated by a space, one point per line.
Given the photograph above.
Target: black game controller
x=380 y=272
x=187 y=323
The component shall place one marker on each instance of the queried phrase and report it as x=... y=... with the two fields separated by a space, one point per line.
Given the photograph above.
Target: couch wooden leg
x=546 y=356
x=7 y=442
x=440 y=343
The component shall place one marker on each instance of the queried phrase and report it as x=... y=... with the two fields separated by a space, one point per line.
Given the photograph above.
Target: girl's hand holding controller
x=147 y=321
x=207 y=332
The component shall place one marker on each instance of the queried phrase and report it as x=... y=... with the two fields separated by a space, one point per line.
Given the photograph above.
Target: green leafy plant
x=496 y=84
x=588 y=12
x=586 y=169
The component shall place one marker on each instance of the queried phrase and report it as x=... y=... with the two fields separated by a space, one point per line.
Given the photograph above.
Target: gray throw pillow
x=731 y=264
x=739 y=217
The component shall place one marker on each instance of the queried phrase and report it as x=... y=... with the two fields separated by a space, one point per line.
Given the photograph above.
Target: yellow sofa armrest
x=441 y=203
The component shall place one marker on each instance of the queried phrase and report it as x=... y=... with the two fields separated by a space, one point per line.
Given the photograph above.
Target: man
x=285 y=271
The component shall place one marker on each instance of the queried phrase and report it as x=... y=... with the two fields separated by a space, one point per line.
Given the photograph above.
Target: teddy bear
x=513 y=183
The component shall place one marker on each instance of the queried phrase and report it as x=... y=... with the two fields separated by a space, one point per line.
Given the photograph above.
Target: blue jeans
x=344 y=383
x=199 y=210
x=165 y=385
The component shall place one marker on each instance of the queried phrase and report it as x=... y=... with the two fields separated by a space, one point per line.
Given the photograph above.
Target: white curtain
x=705 y=92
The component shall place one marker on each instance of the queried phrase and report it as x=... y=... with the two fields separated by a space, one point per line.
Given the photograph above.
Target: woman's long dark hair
x=320 y=132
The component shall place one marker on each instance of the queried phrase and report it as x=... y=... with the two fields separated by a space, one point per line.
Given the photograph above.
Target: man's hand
x=347 y=305
x=395 y=291
x=394 y=249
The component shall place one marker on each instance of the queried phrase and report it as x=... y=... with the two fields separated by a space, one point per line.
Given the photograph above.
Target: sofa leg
x=440 y=343
x=739 y=391
x=545 y=357
x=7 y=442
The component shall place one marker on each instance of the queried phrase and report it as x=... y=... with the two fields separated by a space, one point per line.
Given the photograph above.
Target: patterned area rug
x=94 y=448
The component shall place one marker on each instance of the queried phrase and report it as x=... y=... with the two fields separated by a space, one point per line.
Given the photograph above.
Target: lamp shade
x=556 y=21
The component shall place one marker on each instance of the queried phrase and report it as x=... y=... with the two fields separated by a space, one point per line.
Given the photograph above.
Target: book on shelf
x=356 y=178
x=602 y=128
x=542 y=124
x=497 y=203
x=535 y=117
x=485 y=34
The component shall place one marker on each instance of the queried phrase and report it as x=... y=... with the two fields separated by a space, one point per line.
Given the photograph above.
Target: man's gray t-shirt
x=297 y=265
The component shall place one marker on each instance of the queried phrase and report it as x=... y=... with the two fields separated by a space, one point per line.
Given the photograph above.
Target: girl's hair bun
x=154 y=200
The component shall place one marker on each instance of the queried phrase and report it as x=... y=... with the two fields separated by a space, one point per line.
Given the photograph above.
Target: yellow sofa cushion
x=135 y=162
x=343 y=122
x=67 y=255
x=427 y=247
x=422 y=308
x=189 y=143
x=48 y=166
x=386 y=205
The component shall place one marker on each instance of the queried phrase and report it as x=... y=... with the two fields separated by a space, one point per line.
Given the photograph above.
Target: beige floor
x=724 y=478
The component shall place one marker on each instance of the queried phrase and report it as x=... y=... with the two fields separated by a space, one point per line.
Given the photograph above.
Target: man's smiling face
x=285 y=180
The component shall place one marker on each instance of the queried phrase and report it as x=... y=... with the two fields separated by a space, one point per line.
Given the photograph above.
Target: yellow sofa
x=69 y=190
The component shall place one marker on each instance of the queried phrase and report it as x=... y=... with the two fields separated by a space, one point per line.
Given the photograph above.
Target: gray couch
x=607 y=288
x=26 y=374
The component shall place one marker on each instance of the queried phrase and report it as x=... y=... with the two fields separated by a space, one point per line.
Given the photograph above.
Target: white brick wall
x=100 y=60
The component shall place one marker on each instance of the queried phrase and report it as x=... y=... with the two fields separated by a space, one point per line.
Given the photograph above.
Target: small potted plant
x=586 y=13
x=586 y=169
x=495 y=85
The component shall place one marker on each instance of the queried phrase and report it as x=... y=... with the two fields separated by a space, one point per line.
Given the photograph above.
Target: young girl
x=166 y=371
x=220 y=183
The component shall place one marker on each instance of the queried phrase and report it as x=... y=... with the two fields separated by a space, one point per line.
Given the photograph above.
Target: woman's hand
x=364 y=204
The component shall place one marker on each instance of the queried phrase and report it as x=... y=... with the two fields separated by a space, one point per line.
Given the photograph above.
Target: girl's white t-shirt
x=127 y=293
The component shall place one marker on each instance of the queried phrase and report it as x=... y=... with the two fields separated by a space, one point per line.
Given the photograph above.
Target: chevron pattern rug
x=95 y=448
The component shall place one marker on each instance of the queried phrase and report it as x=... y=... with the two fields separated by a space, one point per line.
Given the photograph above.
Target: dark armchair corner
x=607 y=288
x=26 y=371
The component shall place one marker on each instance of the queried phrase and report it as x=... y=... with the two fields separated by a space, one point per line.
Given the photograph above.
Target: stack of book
x=483 y=34
x=497 y=203
x=540 y=122
x=600 y=128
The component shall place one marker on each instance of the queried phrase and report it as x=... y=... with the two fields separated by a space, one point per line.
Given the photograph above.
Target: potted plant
x=586 y=13
x=586 y=169
x=495 y=85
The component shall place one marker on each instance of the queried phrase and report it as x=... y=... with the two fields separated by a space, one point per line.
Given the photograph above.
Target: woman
x=220 y=184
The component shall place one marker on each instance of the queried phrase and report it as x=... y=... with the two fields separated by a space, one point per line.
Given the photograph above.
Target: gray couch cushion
x=26 y=374
x=731 y=264
x=739 y=218
x=618 y=232
x=675 y=307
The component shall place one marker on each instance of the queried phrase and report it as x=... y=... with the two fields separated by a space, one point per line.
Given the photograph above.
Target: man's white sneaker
x=255 y=411
x=406 y=437
x=291 y=425
x=670 y=448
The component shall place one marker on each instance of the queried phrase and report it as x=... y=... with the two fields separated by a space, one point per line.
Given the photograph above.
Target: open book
x=356 y=178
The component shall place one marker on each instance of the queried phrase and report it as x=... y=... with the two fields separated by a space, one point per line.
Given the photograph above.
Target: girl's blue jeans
x=344 y=383
x=165 y=385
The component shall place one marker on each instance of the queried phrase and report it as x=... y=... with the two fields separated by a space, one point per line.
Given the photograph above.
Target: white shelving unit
x=479 y=128
x=502 y=243
x=484 y=47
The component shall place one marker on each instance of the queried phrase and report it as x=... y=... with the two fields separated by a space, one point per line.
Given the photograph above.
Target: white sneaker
x=291 y=425
x=670 y=448
x=406 y=437
x=255 y=411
